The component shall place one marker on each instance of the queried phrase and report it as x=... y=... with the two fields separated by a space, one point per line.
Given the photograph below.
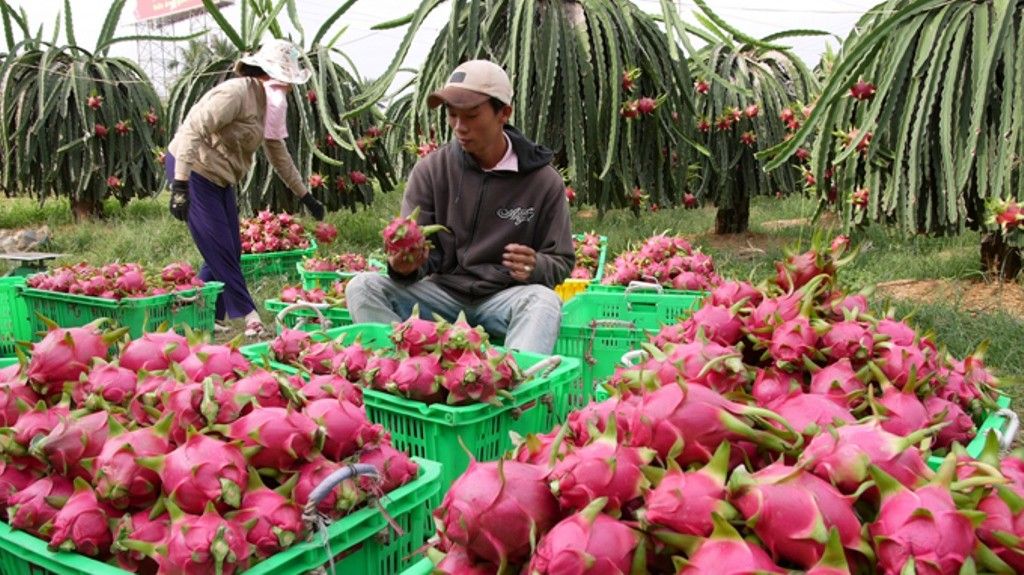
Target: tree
x=580 y=70
x=336 y=146
x=91 y=120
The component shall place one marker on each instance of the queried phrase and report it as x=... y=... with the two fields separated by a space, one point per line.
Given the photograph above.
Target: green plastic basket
x=995 y=422
x=14 y=322
x=640 y=287
x=255 y=266
x=7 y=361
x=307 y=319
x=423 y=567
x=437 y=431
x=193 y=308
x=361 y=542
x=323 y=280
x=569 y=288
x=598 y=327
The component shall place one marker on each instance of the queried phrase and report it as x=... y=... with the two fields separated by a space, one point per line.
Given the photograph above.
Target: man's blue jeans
x=527 y=317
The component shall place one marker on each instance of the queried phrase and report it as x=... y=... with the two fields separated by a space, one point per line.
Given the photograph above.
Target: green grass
x=143 y=231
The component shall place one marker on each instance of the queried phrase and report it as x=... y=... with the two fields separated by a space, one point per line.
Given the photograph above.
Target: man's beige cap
x=472 y=84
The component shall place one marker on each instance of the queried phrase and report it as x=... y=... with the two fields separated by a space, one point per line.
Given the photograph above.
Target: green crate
x=255 y=266
x=14 y=323
x=598 y=327
x=361 y=542
x=338 y=316
x=423 y=567
x=641 y=287
x=437 y=431
x=7 y=361
x=991 y=422
x=193 y=308
x=323 y=280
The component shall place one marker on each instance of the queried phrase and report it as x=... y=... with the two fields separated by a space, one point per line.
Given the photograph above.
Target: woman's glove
x=313 y=205
x=179 y=200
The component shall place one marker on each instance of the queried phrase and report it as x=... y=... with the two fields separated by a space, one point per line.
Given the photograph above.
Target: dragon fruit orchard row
x=176 y=455
x=784 y=412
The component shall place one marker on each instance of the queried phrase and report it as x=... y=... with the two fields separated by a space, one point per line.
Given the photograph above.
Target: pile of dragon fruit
x=116 y=280
x=176 y=455
x=670 y=261
x=781 y=427
x=270 y=232
x=588 y=256
x=344 y=262
x=334 y=295
x=430 y=361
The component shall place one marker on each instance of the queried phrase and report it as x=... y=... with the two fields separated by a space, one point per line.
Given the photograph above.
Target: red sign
x=149 y=9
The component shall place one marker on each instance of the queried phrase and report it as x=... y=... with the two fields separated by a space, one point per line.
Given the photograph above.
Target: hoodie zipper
x=476 y=214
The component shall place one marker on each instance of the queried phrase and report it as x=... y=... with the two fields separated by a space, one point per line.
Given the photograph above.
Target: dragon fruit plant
x=270 y=232
x=670 y=261
x=169 y=454
x=116 y=281
x=404 y=239
x=588 y=254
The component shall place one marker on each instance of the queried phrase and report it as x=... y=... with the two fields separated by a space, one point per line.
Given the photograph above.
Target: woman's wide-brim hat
x=280 y=60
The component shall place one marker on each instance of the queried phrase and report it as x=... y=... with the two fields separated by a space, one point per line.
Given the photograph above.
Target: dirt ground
x=974 y=296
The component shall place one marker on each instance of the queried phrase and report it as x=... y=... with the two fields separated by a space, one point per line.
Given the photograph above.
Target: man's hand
x=520 y=260
x=316 y=209
x=405 y=266
x=179 y=200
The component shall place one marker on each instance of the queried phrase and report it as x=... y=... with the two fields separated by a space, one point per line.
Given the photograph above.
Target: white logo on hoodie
x=517 y=215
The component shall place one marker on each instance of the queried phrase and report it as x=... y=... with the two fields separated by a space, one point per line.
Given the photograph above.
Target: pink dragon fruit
x=318 y=358
x=808 y=413
x=844 y=455
x=849 y=340
x=260 y=388
x=596 y=415
x=34 y=508
x=203 y=470
x=718 y=324
x=111 y=383
x=276 y=520
x=495 y=510
x=339 y=501
x=118 y=477
x=1004 y=524
x=213 y=359
x=587 y=542
x=833 y=561
x=34 y=423
x=772 y=385
x=791 y=511
x=839 y=382
x=708 y=364
x=13 y=394
x=184 y=402
x=792 y=341
x=350 y=361
x=379 y=370
x=901 y=364
x=798 y=270
x=65 y=353
x=333 y=386
x=470 y=378
x=73 y=440
x=419 y=378
x=772 y=312
x=900 y=411
x=405 y=239
x=687 y=422
x=920 y=527
x=395 y=468
x=154 y=351
x=897 y=332
x=457 y=337
x=82 y=524
x=604 y=469
x=539 y=449
x=683 y=502
x=346 y=428
x=961 y=428
x=289 y=344
x=205 y=543
x=14 y=479
x=725 y=552
x=275 y=438
x=730 y=293
x=140 y=527
x=416 y=336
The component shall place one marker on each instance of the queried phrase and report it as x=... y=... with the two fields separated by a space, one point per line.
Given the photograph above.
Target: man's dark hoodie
x=485 y=211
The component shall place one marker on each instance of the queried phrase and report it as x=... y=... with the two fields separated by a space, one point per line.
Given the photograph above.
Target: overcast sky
x=373 y=51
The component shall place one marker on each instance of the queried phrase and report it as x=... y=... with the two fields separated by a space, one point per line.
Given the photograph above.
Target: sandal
x=255 y=330
x=221 y=327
